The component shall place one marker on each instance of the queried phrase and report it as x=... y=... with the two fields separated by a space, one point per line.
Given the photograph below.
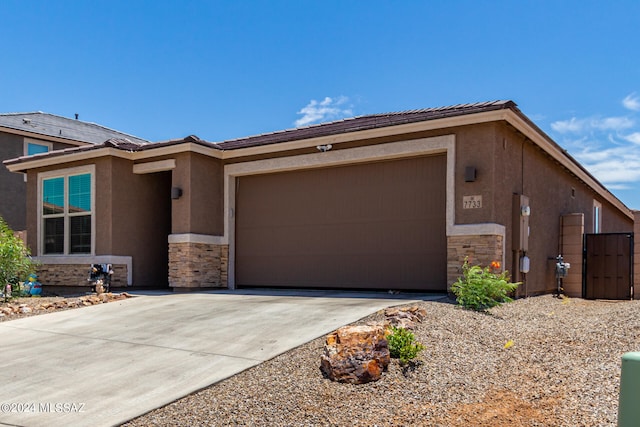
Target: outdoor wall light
x=176 y=193
x=470 y=174
x=525 y=211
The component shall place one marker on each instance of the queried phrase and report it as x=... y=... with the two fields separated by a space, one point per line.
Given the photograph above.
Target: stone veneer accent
x=481 y=249
x=198 y=265
x=76 y=275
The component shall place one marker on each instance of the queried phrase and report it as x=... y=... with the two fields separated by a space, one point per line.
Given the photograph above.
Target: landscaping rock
x=31 y=306
x=356 y=354
x=405 y=317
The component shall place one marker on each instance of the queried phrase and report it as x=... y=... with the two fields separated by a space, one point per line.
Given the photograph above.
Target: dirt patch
x=503 y=408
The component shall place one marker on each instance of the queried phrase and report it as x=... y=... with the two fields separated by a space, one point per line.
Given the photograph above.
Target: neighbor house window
x=32 y=147
x=597 y=217
x=67 y=212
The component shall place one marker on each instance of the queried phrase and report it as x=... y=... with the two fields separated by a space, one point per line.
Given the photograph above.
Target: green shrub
x=481 y=288
x=15 y=262
x=403 y=345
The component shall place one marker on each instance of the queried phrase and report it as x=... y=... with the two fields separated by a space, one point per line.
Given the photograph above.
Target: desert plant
x=403 y=345
x=482 y=288
x=15 y=262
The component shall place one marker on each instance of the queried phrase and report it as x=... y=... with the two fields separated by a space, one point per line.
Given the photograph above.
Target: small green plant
x=403 y=345
x=15 y=262
x=482 y=288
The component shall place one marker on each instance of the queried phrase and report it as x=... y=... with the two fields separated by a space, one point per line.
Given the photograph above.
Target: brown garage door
x=376 y=225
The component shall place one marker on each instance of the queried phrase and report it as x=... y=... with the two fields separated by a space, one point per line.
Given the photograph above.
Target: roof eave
x=43 y=136
x=523 y=124
x=511 y=114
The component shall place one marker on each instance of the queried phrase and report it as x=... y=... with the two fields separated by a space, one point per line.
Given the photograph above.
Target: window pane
x=80 y=193
x=36 y=148
x=53 y=196
x=53 y=235
x=80 y=237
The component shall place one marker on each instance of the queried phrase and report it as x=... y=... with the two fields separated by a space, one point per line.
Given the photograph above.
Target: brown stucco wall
x=13 y=189
x=507 y=163
x=200 y=209
x=12 y=185
x=133 y=216
x=140 y=217
x=523 y=168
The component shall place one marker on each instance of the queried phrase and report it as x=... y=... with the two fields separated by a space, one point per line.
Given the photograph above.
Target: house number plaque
x=471 y=202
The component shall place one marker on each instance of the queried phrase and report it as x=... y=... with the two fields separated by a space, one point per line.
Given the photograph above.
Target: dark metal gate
x=608 y=266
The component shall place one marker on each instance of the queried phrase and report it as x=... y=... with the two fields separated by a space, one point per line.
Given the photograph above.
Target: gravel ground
x=563 y=369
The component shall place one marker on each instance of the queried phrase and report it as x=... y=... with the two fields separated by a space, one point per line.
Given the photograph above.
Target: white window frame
x=66 y=173
x=25 y=148
x=597 y=217
x=28 y=141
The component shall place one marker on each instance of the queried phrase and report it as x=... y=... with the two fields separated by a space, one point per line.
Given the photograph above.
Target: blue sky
x=223 y=70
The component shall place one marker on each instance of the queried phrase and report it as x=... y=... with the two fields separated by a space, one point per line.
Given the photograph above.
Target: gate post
x=571 y=245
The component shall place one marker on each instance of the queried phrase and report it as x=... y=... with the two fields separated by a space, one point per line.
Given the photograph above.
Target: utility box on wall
x=520 y=240
x=521 y=212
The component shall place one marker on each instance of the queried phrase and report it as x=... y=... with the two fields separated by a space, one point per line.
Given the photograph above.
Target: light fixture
x=176 y=193
x=525 y=210
x=470 y=174
x=324 y=148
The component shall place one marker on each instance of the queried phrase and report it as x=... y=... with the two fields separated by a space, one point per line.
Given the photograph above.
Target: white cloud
x=612 y=166
x=327 y=109
x=572 y=125
x=631 y=102
x=634 y=137
x=612 y=123
x=607 y=146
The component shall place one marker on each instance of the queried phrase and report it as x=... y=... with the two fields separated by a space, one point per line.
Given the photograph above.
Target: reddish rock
x=356 y=354
x=405 y=317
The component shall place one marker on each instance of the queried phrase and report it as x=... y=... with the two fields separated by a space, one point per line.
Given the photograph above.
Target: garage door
x=366 y=226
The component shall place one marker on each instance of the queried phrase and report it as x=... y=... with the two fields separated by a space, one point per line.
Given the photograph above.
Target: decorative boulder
x=405 y=317
x=356 y=354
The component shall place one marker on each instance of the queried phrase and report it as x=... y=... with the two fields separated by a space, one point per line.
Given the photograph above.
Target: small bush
x=403 y=345
x=15 y=262
x=481 y=288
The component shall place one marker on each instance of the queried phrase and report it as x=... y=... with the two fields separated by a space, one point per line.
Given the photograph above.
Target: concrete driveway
x=106 y=364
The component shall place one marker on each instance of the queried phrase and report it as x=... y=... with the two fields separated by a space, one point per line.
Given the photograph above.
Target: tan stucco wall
x=200 y=208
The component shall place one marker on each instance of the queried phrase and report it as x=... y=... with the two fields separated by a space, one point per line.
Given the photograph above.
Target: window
x=35 y=147
x=597 y=217
x=32 y=147
x=66 y=211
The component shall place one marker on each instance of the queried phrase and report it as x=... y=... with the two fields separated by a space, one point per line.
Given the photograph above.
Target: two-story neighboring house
x=24 y=134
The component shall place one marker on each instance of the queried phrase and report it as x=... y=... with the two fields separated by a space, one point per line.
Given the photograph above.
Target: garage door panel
x=377 y=226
